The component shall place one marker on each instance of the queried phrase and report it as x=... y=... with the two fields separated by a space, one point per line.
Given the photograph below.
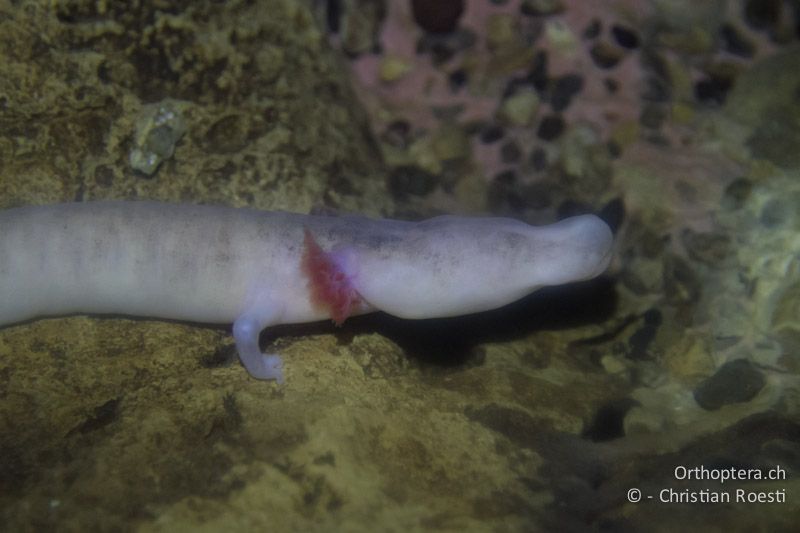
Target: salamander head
x=452 y=265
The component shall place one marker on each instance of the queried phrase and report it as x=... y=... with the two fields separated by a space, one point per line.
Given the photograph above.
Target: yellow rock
x=502 y=31
x=393 y=68
x=682 y=113
x=689 y=359
x=520 y=108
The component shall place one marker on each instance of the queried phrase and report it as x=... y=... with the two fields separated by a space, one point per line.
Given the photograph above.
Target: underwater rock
x=735 y=382
x=158 y=129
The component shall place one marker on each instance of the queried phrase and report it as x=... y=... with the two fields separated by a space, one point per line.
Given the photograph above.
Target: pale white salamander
x=258 y=269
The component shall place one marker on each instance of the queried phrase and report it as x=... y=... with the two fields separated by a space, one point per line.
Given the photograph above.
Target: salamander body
x=256 y=269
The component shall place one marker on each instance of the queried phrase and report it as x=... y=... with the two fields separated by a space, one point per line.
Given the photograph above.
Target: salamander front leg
x=246 y=330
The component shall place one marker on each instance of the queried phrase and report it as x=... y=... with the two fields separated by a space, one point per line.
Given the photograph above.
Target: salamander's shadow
x=451 y=341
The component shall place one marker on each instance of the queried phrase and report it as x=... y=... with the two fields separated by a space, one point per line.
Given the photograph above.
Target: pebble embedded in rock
x=550 y=128
x=411 y=180
x=502 y=33
x=503 y=194
x=437 y=17
x=538 y=72
x=450 y=143
x=605 y=55
x=736 y=381
x=444 y=47
x=158 y=129
x=564 y=89
x=393 y=68
x=625 y=37
x=519 y=108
